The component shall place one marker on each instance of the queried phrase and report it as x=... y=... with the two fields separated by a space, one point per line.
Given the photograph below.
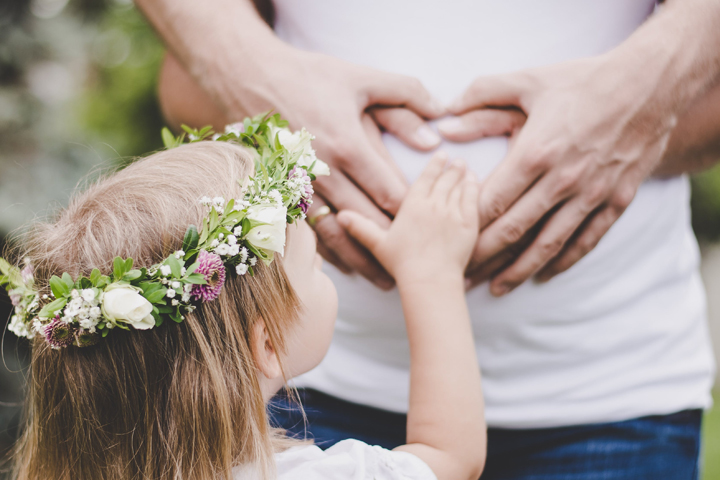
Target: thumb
x=361 y=228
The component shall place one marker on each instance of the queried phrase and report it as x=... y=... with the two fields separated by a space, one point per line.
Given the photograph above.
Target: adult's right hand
x=330 y=97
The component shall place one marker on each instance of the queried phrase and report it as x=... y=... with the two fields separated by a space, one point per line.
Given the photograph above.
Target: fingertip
x=344 y=218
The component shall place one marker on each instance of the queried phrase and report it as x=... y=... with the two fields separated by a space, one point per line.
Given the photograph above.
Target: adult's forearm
x=215 y=42
x=676 y=57
x=694 y=145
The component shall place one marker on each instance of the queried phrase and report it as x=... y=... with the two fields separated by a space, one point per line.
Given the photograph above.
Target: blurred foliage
x=77 y=91
x=711 y=441
x=120 y=104
x=706 y=205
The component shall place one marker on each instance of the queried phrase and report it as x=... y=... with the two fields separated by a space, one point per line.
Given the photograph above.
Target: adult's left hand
x=594 y=132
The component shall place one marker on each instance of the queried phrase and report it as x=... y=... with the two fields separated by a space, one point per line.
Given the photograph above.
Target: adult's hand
x=596 y=129
x=250 y=70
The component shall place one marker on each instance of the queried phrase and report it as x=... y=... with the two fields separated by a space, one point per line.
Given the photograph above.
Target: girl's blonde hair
x=177 y=402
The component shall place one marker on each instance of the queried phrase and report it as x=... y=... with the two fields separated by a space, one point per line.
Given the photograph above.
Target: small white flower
x=88 y=295
x=74 y=293
x=165 y=270
x=95 y=312
x=221 y=236
x=234 y=250
x=215 y=137
x=185 y=297
x=275 y=196
x=243 y=254
x=45 y=296
x=241 y=269
x=170 y=293
x=179 y=254
x=218 y=201
x=215 y=243
x=176 y=285
x=222 y=249
x=187 y=288
x=174 y=303
x=237 y=231
x=183 y=271
x=253 y=261
x=231 y=240
x=206 y=201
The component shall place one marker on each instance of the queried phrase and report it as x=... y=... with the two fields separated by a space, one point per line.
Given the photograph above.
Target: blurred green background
x=77 y=94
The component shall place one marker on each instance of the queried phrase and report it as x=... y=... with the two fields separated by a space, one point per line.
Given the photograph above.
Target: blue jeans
x=663 y=447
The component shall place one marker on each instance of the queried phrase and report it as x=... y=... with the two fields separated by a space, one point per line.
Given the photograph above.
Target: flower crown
x=234 y=235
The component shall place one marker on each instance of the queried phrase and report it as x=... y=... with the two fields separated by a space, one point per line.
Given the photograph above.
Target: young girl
x=160 y=367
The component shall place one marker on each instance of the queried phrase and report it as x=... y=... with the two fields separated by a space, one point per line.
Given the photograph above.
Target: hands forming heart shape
x=574 y=164
x=583 y=136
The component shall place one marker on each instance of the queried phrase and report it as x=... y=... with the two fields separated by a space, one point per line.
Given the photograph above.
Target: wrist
x=423 y=276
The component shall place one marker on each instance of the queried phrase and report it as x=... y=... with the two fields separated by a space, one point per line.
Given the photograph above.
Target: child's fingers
x=423 y=186
x=449 y=179
x=361 y=228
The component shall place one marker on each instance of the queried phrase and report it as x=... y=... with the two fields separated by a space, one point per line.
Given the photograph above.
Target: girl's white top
x=346 y=460
x=623 y=333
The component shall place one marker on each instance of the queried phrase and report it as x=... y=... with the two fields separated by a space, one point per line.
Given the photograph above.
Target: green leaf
x=168 y=138
x=128 y=264
x=192 y=268
x=156 y=296
x=118 y=268
x=94 y=276
x=149 y=287
x=229 y=207
x=158 y=319
x=68 y=281
x=175 y=266
x=164 y=309
x=203 y=233
x=191 y=239
x=85 y=282
x=176 y=317
x=58 y=287
x=196 y=279
x=49 y=310
x=213 y=220
x=103 y=281
x=234 y=218
x=132 y=275
x=105 y=332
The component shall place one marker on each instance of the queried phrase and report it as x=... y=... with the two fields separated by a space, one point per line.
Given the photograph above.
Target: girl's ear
x=265 y=355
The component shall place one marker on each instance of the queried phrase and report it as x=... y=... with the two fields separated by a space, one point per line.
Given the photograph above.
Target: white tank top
x=620 y=335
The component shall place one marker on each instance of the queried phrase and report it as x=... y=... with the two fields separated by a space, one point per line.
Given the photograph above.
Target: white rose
x=271 y=236
x=125 y=304
x=291 y=141
x=320 y=169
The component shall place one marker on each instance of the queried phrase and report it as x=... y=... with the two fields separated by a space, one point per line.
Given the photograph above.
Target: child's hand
x=435 y=230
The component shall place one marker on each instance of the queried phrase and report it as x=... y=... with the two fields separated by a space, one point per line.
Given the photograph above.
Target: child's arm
x=426 y=250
